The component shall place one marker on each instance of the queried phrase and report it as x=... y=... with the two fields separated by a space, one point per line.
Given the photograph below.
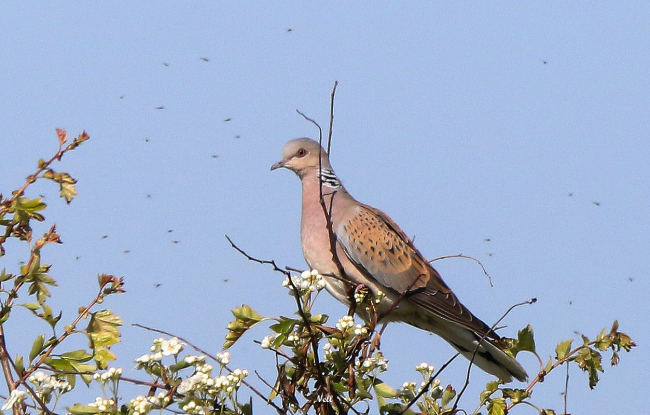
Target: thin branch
x=428 y=385
x=329 y=132
x=481 y=340
x=38 y=400
x=467 y=257
x=301 y=312
x=32 y=178
x=320 y=130
x=192 y=345
x=402 y=295
x=264 y=381
x=259 y=261
x=4 y=360
x=68 y=332
x=566 y=389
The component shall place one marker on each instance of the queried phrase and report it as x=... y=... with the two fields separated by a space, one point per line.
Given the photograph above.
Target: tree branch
x=467 y=257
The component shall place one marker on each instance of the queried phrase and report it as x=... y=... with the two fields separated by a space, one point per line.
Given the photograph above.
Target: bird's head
x=301 y=155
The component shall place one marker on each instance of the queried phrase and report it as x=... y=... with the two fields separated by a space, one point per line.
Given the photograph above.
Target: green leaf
x=497 y=406
x=26 y=209
x=448 y=395
x=37 y=347
x=525 y=339
x=563 y=349
x=60 y=364
x=182 y=364
x=245 y=318
x=83 y=367
x=20 y=365
x=319 y=318
x=515 y=395
x=549 y=365
x=4 y=313
x=490 y=388
x=4 y=276
x=79 y=409
x=285 y=325
x=362 y=388
x=31 y=306
x=102 y=356
x=77 y=355
x=590 y=361
x=67 y=191
x=103 y=332
x=383 y=390
x=247 y=408
x=105 y=322
x=246 y=314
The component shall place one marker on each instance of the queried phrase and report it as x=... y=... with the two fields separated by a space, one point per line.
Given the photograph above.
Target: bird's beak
x=279 y=164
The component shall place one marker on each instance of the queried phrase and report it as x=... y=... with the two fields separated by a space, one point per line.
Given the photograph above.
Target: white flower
x=345 y=322
x=223 y=358
x=194 y=359
x=425 y=368
x=359 y=330
x=17 y=396
x=185 y=387
x=204 y=370
x=140 y=405
x=102 y=404
x=172 y=346
x=143 y=359
x=267 y=341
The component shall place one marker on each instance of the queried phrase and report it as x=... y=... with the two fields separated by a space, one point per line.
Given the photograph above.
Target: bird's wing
x=382 y=251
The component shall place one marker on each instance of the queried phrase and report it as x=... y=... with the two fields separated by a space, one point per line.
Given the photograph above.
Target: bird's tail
x=489 y=357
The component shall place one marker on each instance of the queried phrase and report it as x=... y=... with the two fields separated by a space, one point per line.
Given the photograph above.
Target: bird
x=374 y=252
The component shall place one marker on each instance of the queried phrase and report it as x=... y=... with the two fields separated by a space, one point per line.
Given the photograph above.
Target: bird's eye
x=301 y=153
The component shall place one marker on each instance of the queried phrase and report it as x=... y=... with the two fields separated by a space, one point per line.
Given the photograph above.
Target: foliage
x=320 y=368
x=345 y=376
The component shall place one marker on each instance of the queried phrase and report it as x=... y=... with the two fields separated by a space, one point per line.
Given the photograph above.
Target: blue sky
x=524 y=124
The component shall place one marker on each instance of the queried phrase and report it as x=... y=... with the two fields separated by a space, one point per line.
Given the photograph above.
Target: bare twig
x=192 y=345
x=329 y=132
x=566 y=389
x=6 y=367
x=467 y=257
x=428 y=385
x=264 y=381
x=399 y=299
x=481 y=340
x=259 y=261
x=320 y=130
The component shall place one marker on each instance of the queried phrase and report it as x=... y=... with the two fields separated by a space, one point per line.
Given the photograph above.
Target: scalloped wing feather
x=382 y=251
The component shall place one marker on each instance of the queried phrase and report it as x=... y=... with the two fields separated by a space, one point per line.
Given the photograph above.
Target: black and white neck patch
x=329 y=179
